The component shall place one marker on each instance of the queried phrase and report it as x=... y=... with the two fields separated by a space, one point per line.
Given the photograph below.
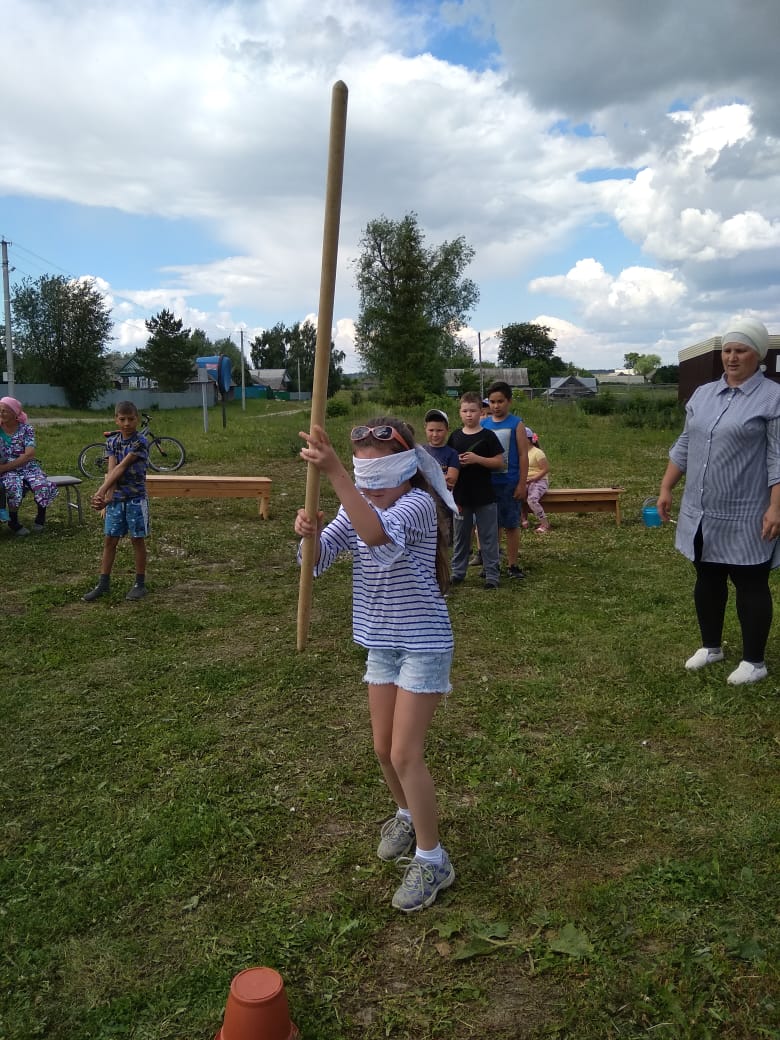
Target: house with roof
x=516 y=377
x=275 y=379
x=132 y=377
x=571 y=388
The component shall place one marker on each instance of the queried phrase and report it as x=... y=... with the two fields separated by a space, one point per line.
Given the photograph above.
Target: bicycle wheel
x=166 y=454
x=93 y=462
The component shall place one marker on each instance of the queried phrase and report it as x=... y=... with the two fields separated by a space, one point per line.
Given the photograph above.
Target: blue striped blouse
x=730 y=453
x=396 y=601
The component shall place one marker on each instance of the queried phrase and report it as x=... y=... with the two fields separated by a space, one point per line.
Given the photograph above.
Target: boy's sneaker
x=747 y=672
x=96 y=593
x=421 y=883
x=515 y=572
x=397 y=839
x=20 y=532
x=136 y=592
x=490 y=586
x=704 y=656
x=476 y=560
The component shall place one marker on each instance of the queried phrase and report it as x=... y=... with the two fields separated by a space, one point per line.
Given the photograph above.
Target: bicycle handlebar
x=144 y=428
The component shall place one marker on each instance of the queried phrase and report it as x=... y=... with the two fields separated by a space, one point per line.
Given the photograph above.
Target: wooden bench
x=583 y=500
x=180 y=485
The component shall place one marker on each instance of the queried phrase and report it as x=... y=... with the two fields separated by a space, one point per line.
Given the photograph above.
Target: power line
x=132 y=323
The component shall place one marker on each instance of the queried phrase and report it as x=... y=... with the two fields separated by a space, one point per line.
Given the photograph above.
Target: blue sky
x=616 y=170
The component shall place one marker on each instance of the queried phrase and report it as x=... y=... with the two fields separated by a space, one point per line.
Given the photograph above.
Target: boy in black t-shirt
x=480 y=452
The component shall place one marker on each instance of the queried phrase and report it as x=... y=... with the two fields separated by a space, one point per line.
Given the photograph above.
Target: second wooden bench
x=583 y=500
x=180 y=485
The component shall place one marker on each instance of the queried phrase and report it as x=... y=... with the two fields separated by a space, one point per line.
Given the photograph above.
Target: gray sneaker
x=398 y=837
x=421 y=884
x=96 y=593
x=136 y=592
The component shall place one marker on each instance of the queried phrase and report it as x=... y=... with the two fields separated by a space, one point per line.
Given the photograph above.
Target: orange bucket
x=257 y=1008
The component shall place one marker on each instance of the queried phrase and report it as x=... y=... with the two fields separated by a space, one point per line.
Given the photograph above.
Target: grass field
x=184 y=795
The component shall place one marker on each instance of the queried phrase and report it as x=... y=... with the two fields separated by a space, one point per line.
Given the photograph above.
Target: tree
x=294 y=350
x=413 y=300
x=62 y=329
x=227 y=347
x=301 y=351
x=666 y=374
x=169 y=352
x=522 y=340
x=468 y=380
x=269 y=349
x=646 y=365
x=643 y=364
x=530 y=346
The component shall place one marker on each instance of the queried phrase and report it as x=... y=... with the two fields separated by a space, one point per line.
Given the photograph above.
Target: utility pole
x=243 y=377
x=9 y=350
x=481 y=374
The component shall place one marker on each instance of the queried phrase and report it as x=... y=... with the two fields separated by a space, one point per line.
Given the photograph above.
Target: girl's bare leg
x=381 y=706
x=411 y=720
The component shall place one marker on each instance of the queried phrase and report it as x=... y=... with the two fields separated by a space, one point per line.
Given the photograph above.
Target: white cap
x=750 y=333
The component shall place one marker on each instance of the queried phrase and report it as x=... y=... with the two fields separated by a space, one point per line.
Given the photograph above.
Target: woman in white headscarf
x=729 y=520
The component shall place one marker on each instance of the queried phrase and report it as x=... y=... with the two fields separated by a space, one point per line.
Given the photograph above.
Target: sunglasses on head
x=380 y=433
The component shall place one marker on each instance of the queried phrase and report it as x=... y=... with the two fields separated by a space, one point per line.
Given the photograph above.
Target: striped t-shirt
x=396 y=602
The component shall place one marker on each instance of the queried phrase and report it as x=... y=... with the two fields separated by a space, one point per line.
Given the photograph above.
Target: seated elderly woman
x=19 y=469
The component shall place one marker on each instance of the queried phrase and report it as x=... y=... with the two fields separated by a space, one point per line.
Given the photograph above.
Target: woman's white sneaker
x=704 y=655
x=747 y=672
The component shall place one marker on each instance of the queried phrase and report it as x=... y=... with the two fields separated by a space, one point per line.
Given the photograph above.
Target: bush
x=604 y=403
x=335 y=408
x=636 y=411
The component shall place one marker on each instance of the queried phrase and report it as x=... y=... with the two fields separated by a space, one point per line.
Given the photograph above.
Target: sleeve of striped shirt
x=678 y=452
x=408 y=522
x=773 y=451
x=336 y=538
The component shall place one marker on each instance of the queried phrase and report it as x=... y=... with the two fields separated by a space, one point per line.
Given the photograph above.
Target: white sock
x=430 y=855
x=404 y=814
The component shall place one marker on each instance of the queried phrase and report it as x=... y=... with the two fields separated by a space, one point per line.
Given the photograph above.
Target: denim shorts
x=508 y=507
x=412 y=671
x=128 y=516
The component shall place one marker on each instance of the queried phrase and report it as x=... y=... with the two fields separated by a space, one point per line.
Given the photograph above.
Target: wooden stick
x=330 y=244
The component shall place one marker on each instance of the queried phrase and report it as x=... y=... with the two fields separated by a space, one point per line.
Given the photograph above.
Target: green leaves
x=483 y=938
x=412 y=299
x=572 y=942
x=62 y=329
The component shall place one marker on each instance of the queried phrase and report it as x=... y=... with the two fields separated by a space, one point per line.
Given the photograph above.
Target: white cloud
x=634 y=296
x=217 y=114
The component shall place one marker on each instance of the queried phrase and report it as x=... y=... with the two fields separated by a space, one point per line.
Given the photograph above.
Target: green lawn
x=184 y=795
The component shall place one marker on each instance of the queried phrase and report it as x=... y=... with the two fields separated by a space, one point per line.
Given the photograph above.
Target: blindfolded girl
x=394 y=520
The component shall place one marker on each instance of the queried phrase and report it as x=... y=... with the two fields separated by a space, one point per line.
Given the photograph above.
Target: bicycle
x=166 y=454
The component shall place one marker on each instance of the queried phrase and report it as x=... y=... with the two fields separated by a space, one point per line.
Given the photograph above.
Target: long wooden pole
x=330 y=246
